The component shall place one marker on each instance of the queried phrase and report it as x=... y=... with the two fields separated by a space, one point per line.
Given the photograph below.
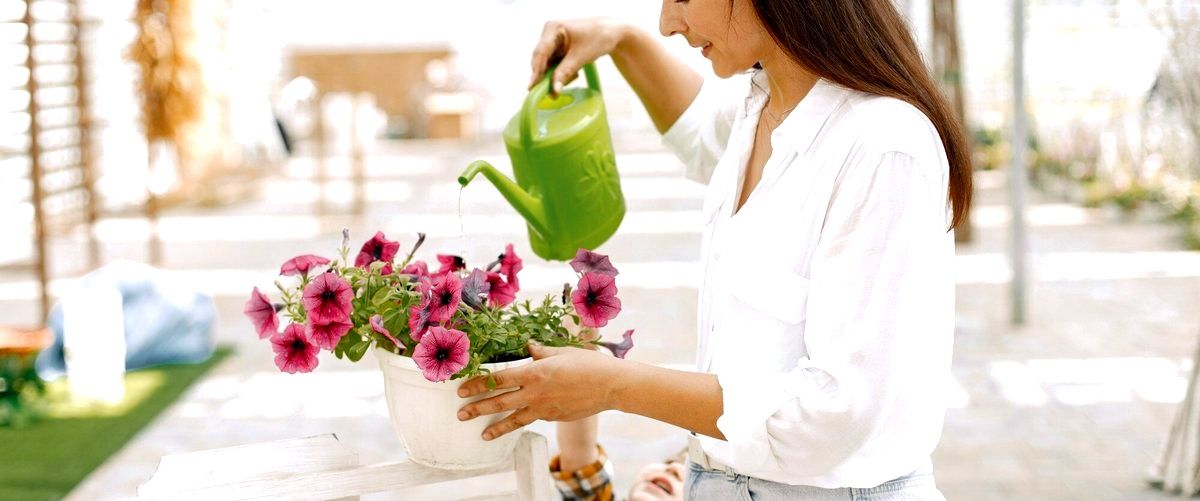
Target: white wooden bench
x=321 y=467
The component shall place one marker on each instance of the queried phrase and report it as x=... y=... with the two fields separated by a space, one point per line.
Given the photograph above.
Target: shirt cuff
x=590 y=483
x=750 y=398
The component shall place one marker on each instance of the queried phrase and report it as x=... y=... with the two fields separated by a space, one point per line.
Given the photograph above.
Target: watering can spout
x=527 y=206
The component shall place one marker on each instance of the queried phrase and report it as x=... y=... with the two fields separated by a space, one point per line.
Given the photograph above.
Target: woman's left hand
x=561 y=384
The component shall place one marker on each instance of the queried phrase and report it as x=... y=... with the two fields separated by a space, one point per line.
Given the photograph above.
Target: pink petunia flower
x=595 y=299
x=417 y=269
x=442 y=353
x=301 y=265
x=510 y=265
x=293 y=350
x=378 y=248
x=327 y=299
x=450 y=264
x=261 y=313
x=418 y=321
x=586 y=261
x=444 y=297
x=377 y=326
x=327 y=335
x=500 y=292
x=620 y=349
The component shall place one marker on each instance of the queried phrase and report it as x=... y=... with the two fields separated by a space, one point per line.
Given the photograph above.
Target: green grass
x=50 y=457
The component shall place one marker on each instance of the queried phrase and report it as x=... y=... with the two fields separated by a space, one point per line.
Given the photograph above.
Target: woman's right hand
x=573 y=44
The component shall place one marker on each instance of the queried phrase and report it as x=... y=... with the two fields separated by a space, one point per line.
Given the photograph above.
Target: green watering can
x=567 y=187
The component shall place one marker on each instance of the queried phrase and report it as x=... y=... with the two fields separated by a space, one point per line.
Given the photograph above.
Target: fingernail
x=462 y=392
x=557 y=87
x=487 y=435
x=463 y=415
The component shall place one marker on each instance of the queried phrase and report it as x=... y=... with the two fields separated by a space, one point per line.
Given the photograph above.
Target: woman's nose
x=670 y=19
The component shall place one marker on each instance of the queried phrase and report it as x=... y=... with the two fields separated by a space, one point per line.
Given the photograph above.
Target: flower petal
x=261 y=313
x=377 y=326
x=500 y=293
x=619 y=350
x=445 y=296
x=323 y=310
x=302 y=264
x=450 y=263
x=327 y=335
x=587 y=261
x=475 y=289
x=378 y=248
x=293 y=351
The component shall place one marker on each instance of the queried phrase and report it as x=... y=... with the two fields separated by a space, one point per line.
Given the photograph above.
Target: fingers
x=551 y=45
x=508 y=378
x=565 y=73
x=518 y=419
x=497 y=404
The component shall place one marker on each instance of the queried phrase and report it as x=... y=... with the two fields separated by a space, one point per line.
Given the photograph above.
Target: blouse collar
x=801 y=126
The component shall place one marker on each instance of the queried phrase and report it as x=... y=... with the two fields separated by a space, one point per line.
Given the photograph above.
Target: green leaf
x=381 y=296
x=357 y=350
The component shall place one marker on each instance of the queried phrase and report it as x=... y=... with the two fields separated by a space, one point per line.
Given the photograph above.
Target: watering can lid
x=557 y=119
x=561 y=118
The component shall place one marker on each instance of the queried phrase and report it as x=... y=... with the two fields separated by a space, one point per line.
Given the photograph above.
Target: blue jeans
x=704 y=485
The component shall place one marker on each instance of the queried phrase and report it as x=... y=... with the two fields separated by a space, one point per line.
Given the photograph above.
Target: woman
x=827 y=303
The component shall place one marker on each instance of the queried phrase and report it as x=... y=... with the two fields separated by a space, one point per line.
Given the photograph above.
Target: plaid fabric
x=590 y=483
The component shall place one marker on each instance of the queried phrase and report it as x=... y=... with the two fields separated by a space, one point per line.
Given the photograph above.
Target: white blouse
x=827 y=303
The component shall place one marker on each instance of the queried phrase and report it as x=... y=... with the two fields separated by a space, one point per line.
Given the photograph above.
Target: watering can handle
x=539 y=91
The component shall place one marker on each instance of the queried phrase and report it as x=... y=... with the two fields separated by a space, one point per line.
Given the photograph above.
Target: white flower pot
x=424 y=415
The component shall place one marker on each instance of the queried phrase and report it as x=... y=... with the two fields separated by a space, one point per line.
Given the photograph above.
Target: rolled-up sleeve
x=699 y=136
x=878 y=334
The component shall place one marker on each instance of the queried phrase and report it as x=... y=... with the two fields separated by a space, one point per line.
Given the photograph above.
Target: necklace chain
x=777 y=118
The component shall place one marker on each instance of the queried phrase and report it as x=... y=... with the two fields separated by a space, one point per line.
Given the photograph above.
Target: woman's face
x=728 y=32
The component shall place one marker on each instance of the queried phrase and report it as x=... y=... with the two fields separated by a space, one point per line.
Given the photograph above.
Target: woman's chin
x=725 y=70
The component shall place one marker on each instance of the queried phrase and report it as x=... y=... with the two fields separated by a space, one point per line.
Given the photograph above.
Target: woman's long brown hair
x=865 y=45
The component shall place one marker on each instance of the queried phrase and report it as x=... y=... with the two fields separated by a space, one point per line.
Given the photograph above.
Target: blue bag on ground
x=166 y=322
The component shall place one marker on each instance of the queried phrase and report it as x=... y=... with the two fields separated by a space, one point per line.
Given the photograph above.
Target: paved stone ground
x=1073 y=405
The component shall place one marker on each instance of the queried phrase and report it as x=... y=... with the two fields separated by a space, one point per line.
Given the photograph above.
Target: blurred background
x=175 y=152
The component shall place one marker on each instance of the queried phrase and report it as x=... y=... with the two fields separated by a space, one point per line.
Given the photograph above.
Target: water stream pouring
x=566 y=187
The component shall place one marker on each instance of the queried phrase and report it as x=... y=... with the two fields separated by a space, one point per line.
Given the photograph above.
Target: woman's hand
x=561 y=384
x=573 y=44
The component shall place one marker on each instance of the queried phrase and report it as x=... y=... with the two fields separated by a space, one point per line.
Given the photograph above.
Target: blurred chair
x=390 y=75
x=54 y=139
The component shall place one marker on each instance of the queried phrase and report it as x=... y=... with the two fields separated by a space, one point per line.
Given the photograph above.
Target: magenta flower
x=500 y=292
x=377 y=326
x=444 y=297
x=450 y=264
x=293 y=351
x=327 y=299
x=417 y=269
x=595 y=299
x=620 y=349
x=301 y=265
x=261 y=313
x=327 y=335
x=378 y=248
x=510 y=265
x=442 y=353
x=586 y=261
x=475 y=289
x=418 y=321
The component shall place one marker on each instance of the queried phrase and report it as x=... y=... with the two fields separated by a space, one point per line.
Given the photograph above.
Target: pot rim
x=406 y=362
